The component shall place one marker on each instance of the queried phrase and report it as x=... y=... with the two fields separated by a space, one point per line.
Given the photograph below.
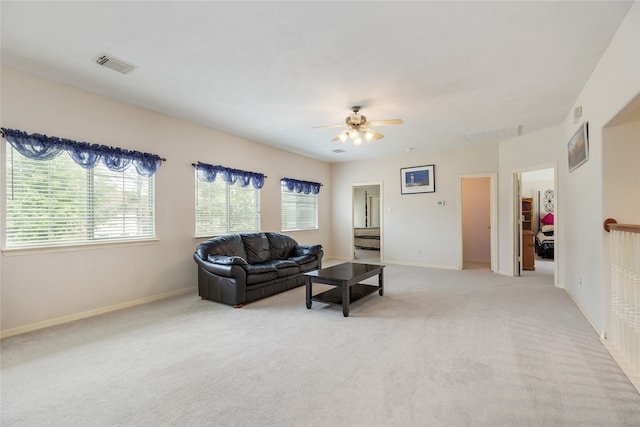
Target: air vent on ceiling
x=339 y=150
x=492 y=134
x=113 y=63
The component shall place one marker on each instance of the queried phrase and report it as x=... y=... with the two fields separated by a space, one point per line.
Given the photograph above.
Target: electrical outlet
x=419 y=251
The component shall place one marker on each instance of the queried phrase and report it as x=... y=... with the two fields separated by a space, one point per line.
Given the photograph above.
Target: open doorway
x=367 y=223
x=537 y=230
x=478 y=222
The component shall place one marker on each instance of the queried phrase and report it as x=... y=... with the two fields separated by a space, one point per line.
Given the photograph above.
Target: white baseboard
x=480 y=261
x=409 y=264
x=417 y=264
x=600 y=333
x=83 y=315
x=627 y=368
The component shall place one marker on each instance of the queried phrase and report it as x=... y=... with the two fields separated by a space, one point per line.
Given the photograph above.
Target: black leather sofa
x=236 y=269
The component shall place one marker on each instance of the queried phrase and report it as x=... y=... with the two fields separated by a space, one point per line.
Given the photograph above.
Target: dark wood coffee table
x=345 y=278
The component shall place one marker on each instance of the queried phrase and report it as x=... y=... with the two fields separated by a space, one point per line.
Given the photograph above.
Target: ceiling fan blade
x=385 y=122
x=376 y=134
x=328 y=126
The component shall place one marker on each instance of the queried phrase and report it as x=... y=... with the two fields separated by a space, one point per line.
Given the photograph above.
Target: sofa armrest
x=223 y=266
x=307 y=250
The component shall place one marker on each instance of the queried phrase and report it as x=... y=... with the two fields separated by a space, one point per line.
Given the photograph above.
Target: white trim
x=90 y=313
x=418 y=264
x=516 y=224
x=77 y=246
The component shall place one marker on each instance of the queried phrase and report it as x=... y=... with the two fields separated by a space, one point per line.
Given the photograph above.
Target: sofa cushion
x=260 y=268
x=302 y=259
x=227 y=245
x=258 y=273
x=281 y=245
x=227 y=260
x=286 y=267
x=282 y=263
x=257 y=247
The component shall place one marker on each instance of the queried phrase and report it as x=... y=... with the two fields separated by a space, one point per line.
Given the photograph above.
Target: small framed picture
x=578 y=147
x=418 y=179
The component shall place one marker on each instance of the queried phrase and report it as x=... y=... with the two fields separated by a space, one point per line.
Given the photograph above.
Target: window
x=57 y=202
x=299 y=210
x=223 y=208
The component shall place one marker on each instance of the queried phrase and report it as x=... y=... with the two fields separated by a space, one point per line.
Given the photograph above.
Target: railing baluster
x=625 y=293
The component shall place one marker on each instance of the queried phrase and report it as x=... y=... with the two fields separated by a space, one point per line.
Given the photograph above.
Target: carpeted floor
x=440 y=348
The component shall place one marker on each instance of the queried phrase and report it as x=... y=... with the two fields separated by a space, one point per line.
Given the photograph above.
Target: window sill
x=76 y=247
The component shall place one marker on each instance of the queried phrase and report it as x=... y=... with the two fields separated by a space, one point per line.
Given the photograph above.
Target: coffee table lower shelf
x=334 y=295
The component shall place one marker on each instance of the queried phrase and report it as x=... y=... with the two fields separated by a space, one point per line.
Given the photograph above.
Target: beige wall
x=580 y=200
x=415 y=230
x=46 y=286
x=621 y=174
x=613 y=85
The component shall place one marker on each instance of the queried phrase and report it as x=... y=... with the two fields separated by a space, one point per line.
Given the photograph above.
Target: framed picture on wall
x=578 y=147
x=418 y=179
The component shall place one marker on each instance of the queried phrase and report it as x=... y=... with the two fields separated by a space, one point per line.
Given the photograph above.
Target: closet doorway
x=366 y=236
x=477 y=201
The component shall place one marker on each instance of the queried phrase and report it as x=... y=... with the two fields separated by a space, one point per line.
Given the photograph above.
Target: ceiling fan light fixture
x=358 y=129
x=368 y=135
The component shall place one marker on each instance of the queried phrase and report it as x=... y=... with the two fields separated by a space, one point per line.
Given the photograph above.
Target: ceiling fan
x=358 y=127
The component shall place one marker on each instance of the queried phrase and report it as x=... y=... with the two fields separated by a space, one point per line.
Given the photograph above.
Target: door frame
x=493 y=206
x=517 y=224
x=381 y=212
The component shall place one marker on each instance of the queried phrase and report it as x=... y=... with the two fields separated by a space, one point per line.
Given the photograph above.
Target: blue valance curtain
x=299 y=186
x=208 y=173
x=42 y=147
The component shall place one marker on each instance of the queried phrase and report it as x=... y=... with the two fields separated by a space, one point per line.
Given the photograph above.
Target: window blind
x=222 y=208
x=299 y=211
x=57 y=202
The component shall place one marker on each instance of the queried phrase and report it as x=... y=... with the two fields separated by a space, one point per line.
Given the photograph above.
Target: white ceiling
x=269 y=71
